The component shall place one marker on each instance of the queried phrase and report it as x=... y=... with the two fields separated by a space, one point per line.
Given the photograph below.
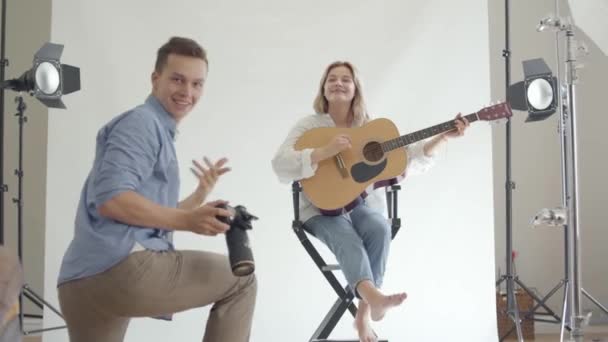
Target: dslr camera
x=239 y=248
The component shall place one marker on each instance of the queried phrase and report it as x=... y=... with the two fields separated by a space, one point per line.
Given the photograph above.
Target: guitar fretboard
x=422 y=134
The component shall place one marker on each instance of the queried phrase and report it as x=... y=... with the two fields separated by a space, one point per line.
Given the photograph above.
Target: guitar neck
x=422 y=134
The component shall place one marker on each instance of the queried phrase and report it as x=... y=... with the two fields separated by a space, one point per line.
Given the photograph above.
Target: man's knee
x=251 y=284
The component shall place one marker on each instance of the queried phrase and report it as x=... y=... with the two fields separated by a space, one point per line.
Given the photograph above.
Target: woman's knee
x=378 y=231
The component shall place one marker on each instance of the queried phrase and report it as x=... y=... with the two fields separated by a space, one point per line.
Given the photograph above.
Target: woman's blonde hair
x=358 y=107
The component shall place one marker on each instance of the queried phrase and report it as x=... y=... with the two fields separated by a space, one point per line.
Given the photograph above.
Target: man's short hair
x=179 y=46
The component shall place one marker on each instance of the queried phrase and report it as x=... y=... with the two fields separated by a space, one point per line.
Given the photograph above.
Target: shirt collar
x=165 y=117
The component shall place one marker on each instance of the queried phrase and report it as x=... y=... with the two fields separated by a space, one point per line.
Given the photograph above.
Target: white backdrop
x=421 y=62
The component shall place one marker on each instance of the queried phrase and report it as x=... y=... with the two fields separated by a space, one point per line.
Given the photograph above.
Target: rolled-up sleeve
x=289 y=164
x=130 y=148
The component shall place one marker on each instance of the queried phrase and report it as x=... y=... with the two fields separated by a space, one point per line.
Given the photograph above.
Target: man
x=121 y=262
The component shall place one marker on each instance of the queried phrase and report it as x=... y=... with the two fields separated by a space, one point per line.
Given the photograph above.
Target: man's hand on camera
x=203 y=220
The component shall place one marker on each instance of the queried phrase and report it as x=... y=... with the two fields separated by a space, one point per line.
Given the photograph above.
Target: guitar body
x=341 y=179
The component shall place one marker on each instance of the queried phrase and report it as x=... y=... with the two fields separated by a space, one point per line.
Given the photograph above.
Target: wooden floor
x=592 y=334
x=589 y=337
x=539 y=338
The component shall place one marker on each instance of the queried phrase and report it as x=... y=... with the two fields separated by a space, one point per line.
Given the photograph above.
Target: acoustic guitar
x=377 y=154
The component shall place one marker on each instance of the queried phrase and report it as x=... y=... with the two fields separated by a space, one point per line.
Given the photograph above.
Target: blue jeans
x=360 y=240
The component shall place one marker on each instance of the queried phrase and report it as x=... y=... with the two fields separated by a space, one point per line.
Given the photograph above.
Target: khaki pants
x=152 y=284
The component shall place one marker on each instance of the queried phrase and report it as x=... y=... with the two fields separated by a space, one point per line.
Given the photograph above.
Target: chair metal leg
x=345 y=300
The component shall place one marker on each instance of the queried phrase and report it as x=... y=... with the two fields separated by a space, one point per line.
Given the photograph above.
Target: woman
x=360 y=238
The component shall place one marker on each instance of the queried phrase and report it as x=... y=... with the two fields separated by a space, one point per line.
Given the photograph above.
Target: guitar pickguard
x=363 y=172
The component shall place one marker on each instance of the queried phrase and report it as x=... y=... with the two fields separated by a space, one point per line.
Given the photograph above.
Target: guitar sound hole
x=372 y=151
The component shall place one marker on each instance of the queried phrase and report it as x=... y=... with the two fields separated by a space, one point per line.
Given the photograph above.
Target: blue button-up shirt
x=134 y=152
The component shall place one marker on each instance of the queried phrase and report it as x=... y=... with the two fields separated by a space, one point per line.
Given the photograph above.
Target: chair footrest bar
x=330 y=268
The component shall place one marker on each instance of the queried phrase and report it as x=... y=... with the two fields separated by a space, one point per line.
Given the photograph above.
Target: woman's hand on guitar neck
x=337 y=144
x=461 y=125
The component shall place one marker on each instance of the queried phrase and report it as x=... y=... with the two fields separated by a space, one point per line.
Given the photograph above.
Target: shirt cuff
x=418 y=153
x=419 y=162
x=308 y=169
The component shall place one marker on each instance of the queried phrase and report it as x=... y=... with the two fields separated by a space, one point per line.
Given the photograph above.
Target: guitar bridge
x=341 y=166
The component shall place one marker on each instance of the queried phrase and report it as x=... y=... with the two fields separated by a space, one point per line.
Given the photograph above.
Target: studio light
x=48 y=80
x=537 y=93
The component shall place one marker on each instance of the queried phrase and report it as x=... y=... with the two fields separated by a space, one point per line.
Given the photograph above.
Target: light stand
x=575 y=291
x=512 y=309
x=3 y=64
x=510 y=278
x=26 y=291
x=567 y=216
x=48 y=80
x=590 y=16
x=574 y=304
x=538 y=95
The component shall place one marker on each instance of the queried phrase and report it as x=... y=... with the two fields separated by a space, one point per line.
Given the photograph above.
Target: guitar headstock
x=498 y=111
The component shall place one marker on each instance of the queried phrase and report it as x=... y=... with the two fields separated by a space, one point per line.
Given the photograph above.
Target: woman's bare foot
x=363 y=325
x=366 y=334
x=378 y=302
x=379 y=307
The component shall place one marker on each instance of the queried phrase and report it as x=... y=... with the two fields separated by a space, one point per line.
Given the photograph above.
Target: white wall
x=536 y=160
x=266 y=59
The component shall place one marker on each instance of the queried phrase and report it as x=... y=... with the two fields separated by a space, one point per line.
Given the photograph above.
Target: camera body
x=237 y=240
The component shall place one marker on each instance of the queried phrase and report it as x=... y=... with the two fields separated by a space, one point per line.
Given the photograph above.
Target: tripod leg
x=43 y=330
x=515 y=318
x=37 y=300
x=499 y=281
x=595 y=301
x=541 y=302
x=28 y=290
x=33 y=300
x=513 y=311
x=21 y=314
x=564 y=313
